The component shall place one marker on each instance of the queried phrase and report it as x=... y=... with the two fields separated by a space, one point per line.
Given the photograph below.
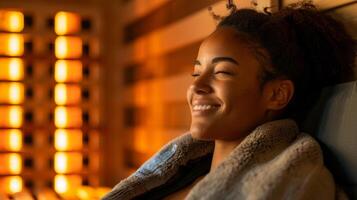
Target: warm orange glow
x=61 y=163
x=94 y=143
x=66 y=23
x=60 y=94
x=10 y=140
x=11 y=21
x=10 y=163
x=61 y=70
x=15 y=140
x=91 y=193
x=11 y=44
x=15 y=184
x=61 y=117
x=64 y=184
x=94 y=164
x=68 y=162
x=67 y=94
x=12 y=93
x=67 y=140
x=68 y=117
x=15 y=163
x=68 y=47
x=11 y=69
x=61 y=184
x=10 y=185
x=16 y=69
x=147 y=142
x=101 y=191
x=11 y=116
x=15 y=116
x=141 y=138
x=68 y=71
x=86 y=193
x=46 y=194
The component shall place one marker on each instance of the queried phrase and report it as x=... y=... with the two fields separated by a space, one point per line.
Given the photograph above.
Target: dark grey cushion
x=333 y=121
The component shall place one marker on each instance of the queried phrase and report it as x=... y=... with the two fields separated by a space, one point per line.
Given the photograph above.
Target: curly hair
x=300 y=43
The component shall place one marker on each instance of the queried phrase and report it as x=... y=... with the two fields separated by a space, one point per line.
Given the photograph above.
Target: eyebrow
x=219 y=59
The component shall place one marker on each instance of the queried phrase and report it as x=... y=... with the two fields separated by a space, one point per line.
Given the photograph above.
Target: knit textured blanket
x=275 y=161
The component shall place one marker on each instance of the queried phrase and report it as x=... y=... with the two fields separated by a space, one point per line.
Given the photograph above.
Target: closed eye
x=195 y=74
x=224 y=72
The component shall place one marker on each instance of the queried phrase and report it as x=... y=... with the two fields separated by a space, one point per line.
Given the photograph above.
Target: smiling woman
x=255 y=78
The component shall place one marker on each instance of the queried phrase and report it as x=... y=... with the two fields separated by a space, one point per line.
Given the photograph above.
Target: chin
x=200 y=134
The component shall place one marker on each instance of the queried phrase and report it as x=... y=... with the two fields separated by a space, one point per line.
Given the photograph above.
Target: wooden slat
x=150 y=141
x=348 y=15
x=172 y=89
x=191 y=29
x=175 y=115
x=171 y=64
x=183 y=32
x=168 y=13
x=138 y=8
x=322 y=4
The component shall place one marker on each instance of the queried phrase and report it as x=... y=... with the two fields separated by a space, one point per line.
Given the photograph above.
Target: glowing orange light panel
x=11 y=69
x=10 y=184
x=11 y=116
x=11 y=44
x=67 y=94
x=68 y=140
x=68 y=71
x=67 y=183
x=68 y=162
x=10 y=163
x=12 y=21
x=12 y=93
x=67 y=23
x=10 y=140
x=68 y=47
x=68 y=117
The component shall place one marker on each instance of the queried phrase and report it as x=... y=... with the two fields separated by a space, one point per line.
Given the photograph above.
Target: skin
x=226 y=77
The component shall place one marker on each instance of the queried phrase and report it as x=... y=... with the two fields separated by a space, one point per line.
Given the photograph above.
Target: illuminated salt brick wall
x=11 y=100
x=49 y=102
x=75 y=116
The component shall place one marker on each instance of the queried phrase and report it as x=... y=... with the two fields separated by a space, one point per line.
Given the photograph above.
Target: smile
x=204 y=107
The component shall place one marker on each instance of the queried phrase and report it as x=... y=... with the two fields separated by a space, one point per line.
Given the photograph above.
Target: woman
x=255 y=78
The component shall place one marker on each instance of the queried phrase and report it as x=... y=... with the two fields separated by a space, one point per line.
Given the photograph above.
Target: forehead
x=225 y=41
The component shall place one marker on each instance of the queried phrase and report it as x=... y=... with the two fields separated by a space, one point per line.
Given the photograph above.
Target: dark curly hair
x=300 y=43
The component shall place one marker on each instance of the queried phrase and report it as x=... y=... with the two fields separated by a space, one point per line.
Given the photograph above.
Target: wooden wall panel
x=163 y=16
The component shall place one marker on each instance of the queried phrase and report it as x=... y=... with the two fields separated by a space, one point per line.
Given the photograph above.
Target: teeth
x=202 y=107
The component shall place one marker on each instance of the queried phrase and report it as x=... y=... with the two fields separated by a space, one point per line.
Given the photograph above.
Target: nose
x=202 y=84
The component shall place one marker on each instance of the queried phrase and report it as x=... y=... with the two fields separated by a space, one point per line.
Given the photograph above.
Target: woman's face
x=225 y=97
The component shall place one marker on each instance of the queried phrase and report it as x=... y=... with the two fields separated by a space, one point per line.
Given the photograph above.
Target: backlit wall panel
x=75 y=160
x=49 y=102
x=11 y=21
x=11 y=100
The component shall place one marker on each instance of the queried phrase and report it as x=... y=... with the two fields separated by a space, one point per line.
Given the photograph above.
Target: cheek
x=240 y=100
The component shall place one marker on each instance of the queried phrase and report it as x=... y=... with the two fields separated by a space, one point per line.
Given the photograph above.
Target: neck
x=222 y=149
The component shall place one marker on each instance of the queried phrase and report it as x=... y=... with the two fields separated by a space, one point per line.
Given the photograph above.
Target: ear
x=279 y=93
